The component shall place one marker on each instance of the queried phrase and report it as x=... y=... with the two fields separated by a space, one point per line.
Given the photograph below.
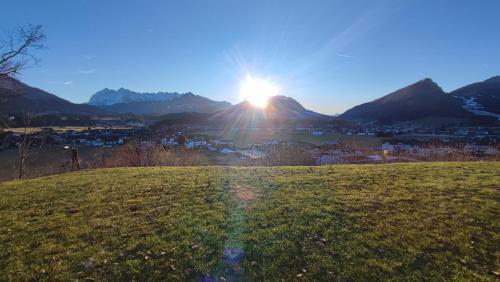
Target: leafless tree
x=26 y=149
x=15 y=54
x=16 y=49
x=23 y=149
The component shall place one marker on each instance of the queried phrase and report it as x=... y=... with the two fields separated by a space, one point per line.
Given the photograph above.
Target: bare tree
x=27 y=149
x=15 y=54
x=23 y=149
x=16 y=49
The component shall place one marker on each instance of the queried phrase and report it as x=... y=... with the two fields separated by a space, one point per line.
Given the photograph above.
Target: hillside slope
x=437 y=221
x=189 y=103
x=481 y=97
x=17 y=97
x=279 y=110
x=423 y=99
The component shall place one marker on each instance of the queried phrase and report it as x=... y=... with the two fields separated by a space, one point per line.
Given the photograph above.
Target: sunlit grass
x=61 y=128
x=438 y=221
x=246 y=138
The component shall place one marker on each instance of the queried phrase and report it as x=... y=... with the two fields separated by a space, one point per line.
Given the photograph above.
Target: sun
x=257 y=91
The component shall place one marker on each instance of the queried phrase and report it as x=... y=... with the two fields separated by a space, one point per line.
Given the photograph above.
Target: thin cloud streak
x=363 y=24
x=89 y=71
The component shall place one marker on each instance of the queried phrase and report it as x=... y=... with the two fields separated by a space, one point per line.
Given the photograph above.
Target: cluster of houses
x=434 y=150
x=477 y=133
x=198 y=142
x=328 y=153
x=400 y=152
x=88 y=137
x=447 y=134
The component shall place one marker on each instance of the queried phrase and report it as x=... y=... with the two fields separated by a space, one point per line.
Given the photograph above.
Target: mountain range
x=108 y=97
x=17 y=97
x=481 y=98
x=127 y=101
x=419 y=101
x=279 y=110
x=425 y=99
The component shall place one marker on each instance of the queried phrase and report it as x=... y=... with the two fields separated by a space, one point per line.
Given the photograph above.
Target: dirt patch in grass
x=244 y=193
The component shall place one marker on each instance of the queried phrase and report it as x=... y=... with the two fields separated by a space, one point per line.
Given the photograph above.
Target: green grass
x=245 y=138
x=61 y=128
x=435 y=221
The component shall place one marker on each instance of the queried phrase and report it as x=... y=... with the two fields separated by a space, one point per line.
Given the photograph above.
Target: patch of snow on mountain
x=107 y=97
x=472 y=105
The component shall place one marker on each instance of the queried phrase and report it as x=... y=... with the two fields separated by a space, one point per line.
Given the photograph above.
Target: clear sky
x=329 y=55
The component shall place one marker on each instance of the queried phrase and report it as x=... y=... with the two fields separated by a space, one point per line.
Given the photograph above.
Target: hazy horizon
x=328 y=55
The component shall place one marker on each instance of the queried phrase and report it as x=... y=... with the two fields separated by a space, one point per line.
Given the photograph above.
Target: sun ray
x=257 y=91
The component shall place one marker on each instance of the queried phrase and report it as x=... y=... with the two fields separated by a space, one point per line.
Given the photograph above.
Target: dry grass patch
x=244 y=193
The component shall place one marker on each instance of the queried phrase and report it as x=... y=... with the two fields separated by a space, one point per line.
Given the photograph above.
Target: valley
x=241 y=141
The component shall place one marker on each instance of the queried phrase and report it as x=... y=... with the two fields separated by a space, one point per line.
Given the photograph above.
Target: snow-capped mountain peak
x=107 y=97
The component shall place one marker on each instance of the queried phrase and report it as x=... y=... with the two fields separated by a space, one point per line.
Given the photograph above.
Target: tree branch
x=15 y=52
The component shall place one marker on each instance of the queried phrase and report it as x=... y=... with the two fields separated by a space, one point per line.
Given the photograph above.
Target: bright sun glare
x=257 y=91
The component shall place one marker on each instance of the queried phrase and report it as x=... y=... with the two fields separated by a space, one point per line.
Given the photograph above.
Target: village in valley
x=331 y=144
x=228 y=141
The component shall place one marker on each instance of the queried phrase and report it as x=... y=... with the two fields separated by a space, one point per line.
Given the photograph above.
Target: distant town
x=332 y=144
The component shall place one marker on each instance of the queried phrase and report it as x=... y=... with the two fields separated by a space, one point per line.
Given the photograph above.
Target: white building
x=192 y=144
x=226 y=151
x=168 y=141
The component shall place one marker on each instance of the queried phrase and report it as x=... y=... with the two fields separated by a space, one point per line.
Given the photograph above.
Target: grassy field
x=244 y=138
x=61 y=128
x=399 y=222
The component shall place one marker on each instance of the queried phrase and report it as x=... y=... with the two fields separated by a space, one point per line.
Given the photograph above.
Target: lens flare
x=257 y=91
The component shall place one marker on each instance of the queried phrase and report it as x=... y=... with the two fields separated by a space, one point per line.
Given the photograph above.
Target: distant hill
x=127 y=101
x=482 y=98
x=420 y=100
x=278 y=109
x=17 y=97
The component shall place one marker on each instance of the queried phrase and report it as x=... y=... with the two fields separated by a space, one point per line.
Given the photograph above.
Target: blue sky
x=329 y=55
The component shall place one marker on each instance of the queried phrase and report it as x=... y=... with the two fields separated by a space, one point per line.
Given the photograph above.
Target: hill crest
x=422 y=99
x=17 y=97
